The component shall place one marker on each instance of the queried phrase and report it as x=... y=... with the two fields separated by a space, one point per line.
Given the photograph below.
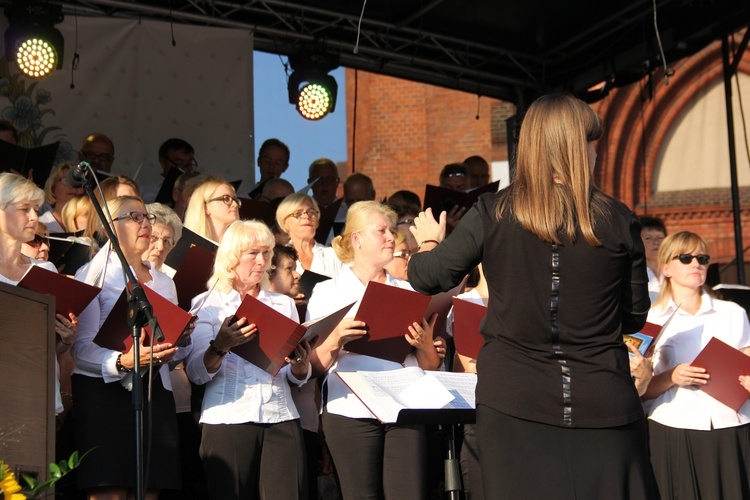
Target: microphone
x=78 y=175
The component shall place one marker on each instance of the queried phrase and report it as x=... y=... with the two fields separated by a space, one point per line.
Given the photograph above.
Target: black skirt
x=105 y=424
x=521 y=459
x=691 y=464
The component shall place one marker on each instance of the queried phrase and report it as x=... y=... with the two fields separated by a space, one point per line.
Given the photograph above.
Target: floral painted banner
x=133 y=85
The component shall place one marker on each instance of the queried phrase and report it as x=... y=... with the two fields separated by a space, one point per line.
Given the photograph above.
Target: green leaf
x=73 y=461
x=30 y=481
x=63 y=467
x=54 y=471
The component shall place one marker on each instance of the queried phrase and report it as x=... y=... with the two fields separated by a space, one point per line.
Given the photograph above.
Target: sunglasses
x=226 y=200
x=137 y=217
x=687 y=258
x=38 y=241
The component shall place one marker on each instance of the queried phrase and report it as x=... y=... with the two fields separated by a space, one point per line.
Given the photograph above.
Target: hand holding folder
x=71 y=296
x=724 y=364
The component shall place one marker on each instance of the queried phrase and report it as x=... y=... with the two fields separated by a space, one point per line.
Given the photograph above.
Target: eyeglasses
x=409 y=222
x=226 y=200
x=137 y=217
x=38 y=241
x=406 y=255
x=91 y=156
x=311 y=214
x=687 y=258
x=183 y=165
x=168 y=242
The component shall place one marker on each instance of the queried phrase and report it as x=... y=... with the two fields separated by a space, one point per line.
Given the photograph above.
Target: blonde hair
x=240 y=236
x=291 y=204
x=73 y=208
x=195 y=216
x=14 y=188
x=553 y=193
x=672 y=246
x=58 y=174
x=359 y=219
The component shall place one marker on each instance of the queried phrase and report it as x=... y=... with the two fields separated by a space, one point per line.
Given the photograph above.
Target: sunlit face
x=286 y=277
x=688 y=276
x=252 y=265
x=37 y=248
x=272 y=162
x=304 y=227
x=219 y=211
x=162 y=242
x=134 y=236
x=63 y=191
x=375 y=245
x=652 y=238
x=400 y=263
x=18 y=221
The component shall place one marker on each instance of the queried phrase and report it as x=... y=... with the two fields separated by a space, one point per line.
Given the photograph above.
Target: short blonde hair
x=359 y=219
x=672 y=246
x=240 y=236
x=56 y=176
x=291 y=204
x=74 y=207
x=14 y=188
x=195 y=215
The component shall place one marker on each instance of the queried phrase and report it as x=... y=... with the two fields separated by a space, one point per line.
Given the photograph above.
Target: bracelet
x=215 y=350
x=436 y=242
x=119 y=365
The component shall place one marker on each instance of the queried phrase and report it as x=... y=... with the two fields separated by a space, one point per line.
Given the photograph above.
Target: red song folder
x=388 y=311
x=192 y=274
x=71 y=296
x=115 y=333
x=724 y=364
x=467 y=316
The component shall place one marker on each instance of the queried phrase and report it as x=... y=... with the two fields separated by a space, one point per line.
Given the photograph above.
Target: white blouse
x=328 y=297
x=682 y=341
x=91 y=359
x=324 y=262
x=239 y=392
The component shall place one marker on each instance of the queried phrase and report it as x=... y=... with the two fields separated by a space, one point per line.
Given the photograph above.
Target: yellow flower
x=8 y=484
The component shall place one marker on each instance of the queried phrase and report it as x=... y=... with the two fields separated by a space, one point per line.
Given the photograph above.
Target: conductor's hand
x=641 y=368
x=234 y=334
x=427 y=228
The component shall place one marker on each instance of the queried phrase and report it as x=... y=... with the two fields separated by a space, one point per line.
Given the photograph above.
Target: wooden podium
x=27 y=380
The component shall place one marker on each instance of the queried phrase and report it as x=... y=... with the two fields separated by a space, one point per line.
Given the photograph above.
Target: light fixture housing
x=31 y=40
x=311 y=89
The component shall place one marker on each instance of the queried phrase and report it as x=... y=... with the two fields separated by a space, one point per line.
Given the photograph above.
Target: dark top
x=553 y=349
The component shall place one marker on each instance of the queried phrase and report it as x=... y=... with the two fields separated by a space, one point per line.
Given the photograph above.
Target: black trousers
x=255 y=461
x=375 y=460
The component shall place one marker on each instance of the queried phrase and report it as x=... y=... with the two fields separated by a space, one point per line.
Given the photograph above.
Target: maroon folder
x=388 y=311
x=724 y=364
x=192 y=275
x=467 y=316
x=117 y=335
x=71 y=296
x=441 y=304
x=276 y=339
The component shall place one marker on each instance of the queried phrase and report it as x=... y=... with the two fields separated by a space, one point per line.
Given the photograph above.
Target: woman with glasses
x=299 y=216
x=700 y=448
x=213 y=207
x=252 y=444
x=57 y=192
x=38 y=248
x=373 y=460
x=102 y=378
x=20 y=199
x=566 y=275
x=165 y=233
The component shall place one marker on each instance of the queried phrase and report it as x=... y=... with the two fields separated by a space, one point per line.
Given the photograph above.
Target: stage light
x=311 y=89
x=31 y=40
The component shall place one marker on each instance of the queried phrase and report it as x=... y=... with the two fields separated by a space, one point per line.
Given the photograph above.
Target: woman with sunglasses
x=102 y=378
x=38 y=248
x=700 y=448
x=213 y=207
x=299 y=216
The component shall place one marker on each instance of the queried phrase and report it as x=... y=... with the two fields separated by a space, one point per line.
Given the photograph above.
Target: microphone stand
x=140 y=314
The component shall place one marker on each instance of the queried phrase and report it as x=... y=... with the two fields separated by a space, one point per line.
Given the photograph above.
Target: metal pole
x=728 y=72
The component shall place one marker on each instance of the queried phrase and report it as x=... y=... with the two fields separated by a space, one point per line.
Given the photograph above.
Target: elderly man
x=97 y=150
